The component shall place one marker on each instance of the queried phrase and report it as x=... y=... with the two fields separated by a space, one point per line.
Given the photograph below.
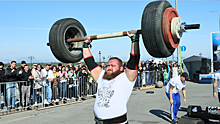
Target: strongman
x=174 y=86
x=216 y=85
x=114 y=86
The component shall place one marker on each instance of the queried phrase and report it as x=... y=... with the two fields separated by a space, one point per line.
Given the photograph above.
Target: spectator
x=23 y=63
x=82 y=82
x=153 y=74
x=59 y=67
x=78 y=67
x=34 y=67
x=147 y=71
x=37 y=82
x=54 y=84
x=143 y=64
x=47 y=77
x=143 y=77
x=72 y=83
x=103 y=66
x=175 y=70
x=62 y=83
x=26 y=86
x=70 y=65
x=2 y=77
x=11 y=74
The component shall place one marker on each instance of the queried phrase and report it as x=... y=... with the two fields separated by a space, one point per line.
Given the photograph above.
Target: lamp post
x=31 y=58
x=100 y=57
x=219 y=18
x=103 y=58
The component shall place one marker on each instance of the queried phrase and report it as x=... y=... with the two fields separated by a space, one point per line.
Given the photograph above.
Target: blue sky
x=25 y=26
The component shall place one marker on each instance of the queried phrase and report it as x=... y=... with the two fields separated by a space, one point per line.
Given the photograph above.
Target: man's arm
x=131 y=70
x=171 y=92
x=184 y=94
x=215 y=89
x=90 y=62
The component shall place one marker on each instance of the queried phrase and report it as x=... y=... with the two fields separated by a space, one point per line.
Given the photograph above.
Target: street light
x=99 y=57
x=219 y=18
x=103 y=58
x=31 y=58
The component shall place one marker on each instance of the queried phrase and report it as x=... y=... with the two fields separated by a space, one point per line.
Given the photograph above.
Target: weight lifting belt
x=133 y=61
x=90 y=62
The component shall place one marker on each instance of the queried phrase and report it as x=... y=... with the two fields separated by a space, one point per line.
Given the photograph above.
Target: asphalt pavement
x=142 y=108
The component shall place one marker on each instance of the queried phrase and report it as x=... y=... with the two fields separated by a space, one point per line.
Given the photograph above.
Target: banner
x=215 y=40
x=180 y=59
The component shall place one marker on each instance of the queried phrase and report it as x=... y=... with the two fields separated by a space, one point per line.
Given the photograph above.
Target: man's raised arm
x=132 y=65
x=89 y=60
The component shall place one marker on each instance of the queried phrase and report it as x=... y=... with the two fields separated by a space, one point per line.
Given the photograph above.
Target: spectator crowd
x=51 y=84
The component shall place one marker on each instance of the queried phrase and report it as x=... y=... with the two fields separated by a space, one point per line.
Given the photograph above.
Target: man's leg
x=14 y=95
x=28 y=93
x=178 y=103
x=60 y=90
x=23 y=91
x=64 y=89
x=49 y=93
x=173 y=108
x=8 y=94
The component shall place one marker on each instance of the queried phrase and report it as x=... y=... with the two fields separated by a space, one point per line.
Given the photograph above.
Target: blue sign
x=216 y=39
x=183 y=48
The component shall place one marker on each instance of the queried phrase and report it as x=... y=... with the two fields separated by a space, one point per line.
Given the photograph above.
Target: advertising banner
x=215 y=41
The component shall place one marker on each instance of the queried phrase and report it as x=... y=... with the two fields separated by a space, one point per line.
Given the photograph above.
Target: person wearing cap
x=174 y=86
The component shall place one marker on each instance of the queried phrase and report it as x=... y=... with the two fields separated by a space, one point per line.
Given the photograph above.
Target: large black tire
x=151 y=28
x=61 y=31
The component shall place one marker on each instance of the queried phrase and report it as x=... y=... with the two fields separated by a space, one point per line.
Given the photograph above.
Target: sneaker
x=35 y=103
x=46 y=102
x=57 y=100
x=173 y=121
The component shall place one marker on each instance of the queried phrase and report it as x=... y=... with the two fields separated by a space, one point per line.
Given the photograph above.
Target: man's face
x=143 y=62
x=13 y=65
x=1 y=66
x=182 y=79
x=103 y=64
x=23 y=65
x=113 y=69
x=113 y=66
x=47 y=67
x=80 y=64
x=26 y=68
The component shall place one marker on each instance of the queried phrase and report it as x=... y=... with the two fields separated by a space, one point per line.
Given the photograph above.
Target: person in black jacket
x=23 y=63
x=25 y=86
x=11 y=77
x=82 y=82
x=2 y=78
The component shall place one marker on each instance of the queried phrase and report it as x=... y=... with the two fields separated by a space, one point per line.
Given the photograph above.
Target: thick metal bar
x=193 y=26
x=103 y=36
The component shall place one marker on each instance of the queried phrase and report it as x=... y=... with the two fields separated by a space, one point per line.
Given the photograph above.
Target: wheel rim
x=73 y=32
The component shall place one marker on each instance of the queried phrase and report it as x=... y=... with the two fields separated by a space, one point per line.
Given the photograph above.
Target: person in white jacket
x=47 y=77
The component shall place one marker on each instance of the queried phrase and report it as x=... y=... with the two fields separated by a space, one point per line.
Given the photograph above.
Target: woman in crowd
x=72 y=83
x=37 y=82
x=54 y=84
x=62 y=82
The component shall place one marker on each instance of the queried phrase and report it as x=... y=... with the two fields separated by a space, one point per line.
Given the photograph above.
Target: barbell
x=161 y=29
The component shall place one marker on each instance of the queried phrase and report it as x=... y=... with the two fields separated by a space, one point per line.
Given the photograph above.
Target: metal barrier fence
x=148 y=78
x=24 y=95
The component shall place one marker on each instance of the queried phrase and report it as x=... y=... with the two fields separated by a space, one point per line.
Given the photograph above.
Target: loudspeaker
x=196 y=77
x=204 y=70
x=204 y=62
x=190 y=120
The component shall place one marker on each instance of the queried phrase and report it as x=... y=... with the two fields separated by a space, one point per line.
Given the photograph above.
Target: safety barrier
x=24 y=95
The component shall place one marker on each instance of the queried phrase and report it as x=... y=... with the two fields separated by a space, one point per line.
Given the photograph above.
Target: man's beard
x=109 y=76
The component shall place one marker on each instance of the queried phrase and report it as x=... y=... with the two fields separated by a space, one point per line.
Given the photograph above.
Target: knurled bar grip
x=104 y=36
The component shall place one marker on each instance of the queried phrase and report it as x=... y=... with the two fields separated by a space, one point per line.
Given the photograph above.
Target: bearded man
x=114 y=85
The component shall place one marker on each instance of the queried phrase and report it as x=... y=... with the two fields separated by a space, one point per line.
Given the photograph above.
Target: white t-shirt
x=175 y=71
x=217 y=76
x=177 y=83
x=112 y=96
